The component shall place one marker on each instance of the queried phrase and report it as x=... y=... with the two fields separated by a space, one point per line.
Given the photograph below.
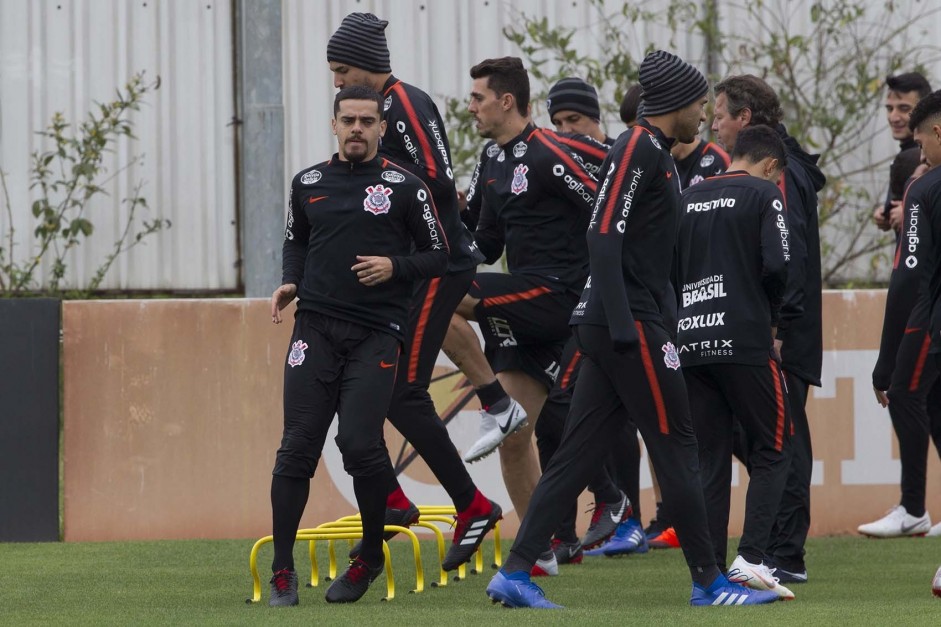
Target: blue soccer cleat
x=629 y=538
x=723 y=592
x=517 y=590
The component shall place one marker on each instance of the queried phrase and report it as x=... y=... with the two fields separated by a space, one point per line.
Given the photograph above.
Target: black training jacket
x=631 y=235
x=732 y=252
x=801 y=327
x=340 y=209
x=535 y=202
x=907 y=307
x=706 y=160
x=416 y=140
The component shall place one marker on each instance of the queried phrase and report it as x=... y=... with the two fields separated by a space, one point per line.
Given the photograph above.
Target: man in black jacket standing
x=352 y=224
x=748 y=100
x=416 y=140
x=730 y=294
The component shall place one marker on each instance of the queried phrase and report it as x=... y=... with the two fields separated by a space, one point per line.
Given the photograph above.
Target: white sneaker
x=757 y=577
x=494 y=428
x=897 y=523
x=934 y=531
x=546 y=566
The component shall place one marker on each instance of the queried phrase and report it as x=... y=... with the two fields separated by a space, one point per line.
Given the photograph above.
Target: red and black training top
x=631 y=235
x=908 y=302
x=732 y=252
x=340 y=209
x=706 y=160
x=536 y=200
x=416 y=140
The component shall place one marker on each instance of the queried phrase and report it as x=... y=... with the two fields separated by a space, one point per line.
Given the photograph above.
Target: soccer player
x=631 y=370
x=416 y=140
x=926 y=124
x=535 y=203
x=903 y=92
x=730 y=295
x=352 y=224
x=699 y=160
x=748 y=100
x=904 y=379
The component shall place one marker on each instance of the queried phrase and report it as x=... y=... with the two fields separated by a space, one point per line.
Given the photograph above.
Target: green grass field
x=854 y=581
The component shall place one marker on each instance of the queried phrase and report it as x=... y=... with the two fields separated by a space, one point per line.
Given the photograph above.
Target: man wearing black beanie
x=631 y=370
x=416 y=140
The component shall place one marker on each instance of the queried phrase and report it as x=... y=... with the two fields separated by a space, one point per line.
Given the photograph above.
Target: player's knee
x=294 y=462
x=362 y=459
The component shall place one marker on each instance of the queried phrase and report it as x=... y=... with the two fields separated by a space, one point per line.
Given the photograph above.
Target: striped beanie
x=574 y=94
x=669 y=83
x=361 y=42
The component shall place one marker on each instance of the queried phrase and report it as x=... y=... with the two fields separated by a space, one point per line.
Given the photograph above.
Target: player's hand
x=462 y=200
x=281 y=298
x=372 y=270
x=879 y=217
x=896 y=215
x=881 y=397
x=777 y=349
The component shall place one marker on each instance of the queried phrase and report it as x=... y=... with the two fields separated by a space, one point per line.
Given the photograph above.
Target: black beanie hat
x=669 y=83
x=574 y=94
x=361 y=42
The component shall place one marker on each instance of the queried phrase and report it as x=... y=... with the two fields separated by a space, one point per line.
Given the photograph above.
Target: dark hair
x=755 y=143
x=506 y=76
x=908 y=82
x=357 y=92
x=750 y=92
x=929 y=107
x=630 y=103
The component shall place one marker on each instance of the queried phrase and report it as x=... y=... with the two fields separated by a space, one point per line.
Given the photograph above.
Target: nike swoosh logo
x=616 y=518
x=314 y=199
x=489 y=181
x=910 y=527
x=912 y=330
x=383 y=364
x=509 y=419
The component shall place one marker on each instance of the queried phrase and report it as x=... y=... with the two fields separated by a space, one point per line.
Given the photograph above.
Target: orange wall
x=172 y=416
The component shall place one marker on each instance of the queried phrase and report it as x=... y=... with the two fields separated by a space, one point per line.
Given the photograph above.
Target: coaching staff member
x=352 y=224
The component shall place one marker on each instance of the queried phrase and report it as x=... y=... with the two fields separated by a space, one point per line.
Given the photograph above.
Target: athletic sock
x=707 y=576
x=478 y=506
x=516 y=564
x=493 y=396
x=397 y=499
x=371 y=498
x=288 y=499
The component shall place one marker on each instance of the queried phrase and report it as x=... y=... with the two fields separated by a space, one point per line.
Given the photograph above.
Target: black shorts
x=525 y=323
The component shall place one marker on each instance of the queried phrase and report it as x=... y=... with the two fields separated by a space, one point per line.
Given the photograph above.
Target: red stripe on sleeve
x=430 y=164
x=576 y=169
x=615 y=191
x=516 y=296
x=570 y=369
x=920 y=364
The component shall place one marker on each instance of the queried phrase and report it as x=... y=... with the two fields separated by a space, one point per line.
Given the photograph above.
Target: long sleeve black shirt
x=535 y=203
x=340 y=209
x=706 y=160
x=631 y=235
x=416 y=140
x=731 y=267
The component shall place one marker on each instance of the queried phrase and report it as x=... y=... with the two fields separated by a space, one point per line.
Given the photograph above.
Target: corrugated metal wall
x=61 y=55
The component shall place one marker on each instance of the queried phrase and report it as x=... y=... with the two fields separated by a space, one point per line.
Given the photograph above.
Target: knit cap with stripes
x=360 y=42
x=669 y=83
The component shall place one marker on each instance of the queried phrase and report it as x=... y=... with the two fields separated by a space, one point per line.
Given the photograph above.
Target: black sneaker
x=469 y=532
x=283 y=588
x=605 y=519
x=789 y=575
x=352 y=585
x=400 y=517
x=567 y=552
x=655 y=528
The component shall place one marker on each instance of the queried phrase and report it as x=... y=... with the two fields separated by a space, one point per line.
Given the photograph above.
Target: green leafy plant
x=66 y=178
x=827 y=61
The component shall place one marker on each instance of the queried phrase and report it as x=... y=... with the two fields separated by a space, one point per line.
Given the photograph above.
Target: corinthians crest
x=377 y=199
x=670 y=358
x=519 y=184
x=296 y=357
